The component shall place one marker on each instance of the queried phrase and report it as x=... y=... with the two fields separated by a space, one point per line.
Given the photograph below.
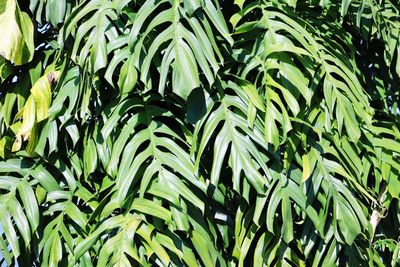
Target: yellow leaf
x=4 y=144
x=306 y=168
x=35 y=110
x=16 y=39
x=42 y=95
x=29 y=117
x=41 y=92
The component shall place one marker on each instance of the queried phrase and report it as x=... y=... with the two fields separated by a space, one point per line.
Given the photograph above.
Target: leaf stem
x=377 y=213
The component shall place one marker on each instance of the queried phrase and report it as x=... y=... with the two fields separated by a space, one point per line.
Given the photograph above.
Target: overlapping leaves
x=202 y=133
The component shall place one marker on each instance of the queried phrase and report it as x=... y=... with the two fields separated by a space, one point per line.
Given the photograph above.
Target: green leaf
x=252 y=93
x=90 y=157
x=149 y=207
x=5 y=68
x=128 y=77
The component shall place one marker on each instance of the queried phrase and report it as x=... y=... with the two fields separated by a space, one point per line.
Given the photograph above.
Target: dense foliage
x=199 y=132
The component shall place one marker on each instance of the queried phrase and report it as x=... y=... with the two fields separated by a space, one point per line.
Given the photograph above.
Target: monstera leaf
x=199 y=133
